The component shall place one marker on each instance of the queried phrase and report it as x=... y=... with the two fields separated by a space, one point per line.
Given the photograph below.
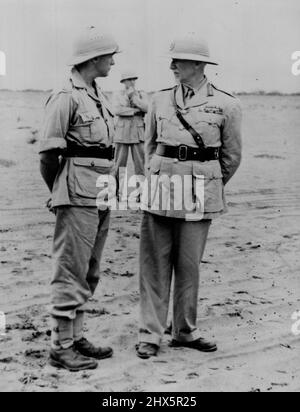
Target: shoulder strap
x=222 y=91
x=197 y=137
x=168 y=89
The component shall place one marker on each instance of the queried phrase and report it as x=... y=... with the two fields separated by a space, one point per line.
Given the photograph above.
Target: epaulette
x=66 y=88
x=169 y=89
x=222 y=91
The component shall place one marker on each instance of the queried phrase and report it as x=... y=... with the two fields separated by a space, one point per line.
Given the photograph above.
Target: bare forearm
x=125 y=111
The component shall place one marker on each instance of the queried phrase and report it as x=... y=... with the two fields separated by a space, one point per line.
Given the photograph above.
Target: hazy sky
x=253 y=40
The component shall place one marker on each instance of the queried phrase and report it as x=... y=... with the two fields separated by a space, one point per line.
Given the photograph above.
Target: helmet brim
x=75 y=60
x=128 y=78
x=192 y=57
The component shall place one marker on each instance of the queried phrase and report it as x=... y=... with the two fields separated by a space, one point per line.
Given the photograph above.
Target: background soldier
x=130 y=106
x=79 y=127
x=194 y=131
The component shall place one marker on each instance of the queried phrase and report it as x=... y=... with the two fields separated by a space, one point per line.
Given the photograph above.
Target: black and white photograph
x=149 y=202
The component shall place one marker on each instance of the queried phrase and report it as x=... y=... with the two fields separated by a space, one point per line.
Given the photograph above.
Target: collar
x=187 y=87
x=79 y=83
x=77 y=80
x=199 y=98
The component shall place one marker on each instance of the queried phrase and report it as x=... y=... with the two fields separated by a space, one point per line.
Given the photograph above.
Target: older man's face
x=184 y=70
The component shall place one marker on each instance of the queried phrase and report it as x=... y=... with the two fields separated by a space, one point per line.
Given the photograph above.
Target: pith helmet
x=90 y=44
x=191 y=48
x=128 y=75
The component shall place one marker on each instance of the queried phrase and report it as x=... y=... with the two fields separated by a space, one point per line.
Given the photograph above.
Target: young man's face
x=104 y=64
x=184 y=70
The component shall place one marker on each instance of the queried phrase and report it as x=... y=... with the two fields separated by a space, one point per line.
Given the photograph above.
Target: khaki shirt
x=76 y=114
x=130 y=128
x=217 y=117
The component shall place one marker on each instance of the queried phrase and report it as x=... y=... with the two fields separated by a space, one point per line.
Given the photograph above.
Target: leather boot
x=84 y=347
x=199 y=344
x=71 y=360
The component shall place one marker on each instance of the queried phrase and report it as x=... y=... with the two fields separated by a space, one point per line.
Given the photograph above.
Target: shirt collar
x=77 y=80
x=186 y=87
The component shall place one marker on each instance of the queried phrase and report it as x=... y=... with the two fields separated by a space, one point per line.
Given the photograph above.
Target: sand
x=249 y=276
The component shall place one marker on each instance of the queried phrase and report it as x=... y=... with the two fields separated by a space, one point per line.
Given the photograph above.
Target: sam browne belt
x=184 y=153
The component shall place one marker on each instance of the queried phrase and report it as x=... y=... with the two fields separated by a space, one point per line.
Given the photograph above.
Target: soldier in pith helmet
x=130 y=106
x=75 y=150
x=193 y=133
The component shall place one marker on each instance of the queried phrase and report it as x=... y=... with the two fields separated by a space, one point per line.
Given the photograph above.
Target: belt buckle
x=217 y=153
x=182 y=153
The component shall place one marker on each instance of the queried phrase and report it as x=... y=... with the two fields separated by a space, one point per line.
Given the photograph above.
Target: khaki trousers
x=79 y=238
x=170 y=245
x=138 y=157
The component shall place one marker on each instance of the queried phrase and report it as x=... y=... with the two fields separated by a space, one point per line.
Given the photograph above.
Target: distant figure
x=130 y=106
x=75 y=150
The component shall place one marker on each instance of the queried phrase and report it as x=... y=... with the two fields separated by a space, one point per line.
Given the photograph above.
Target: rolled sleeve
x=58 y=113
x=231 y=150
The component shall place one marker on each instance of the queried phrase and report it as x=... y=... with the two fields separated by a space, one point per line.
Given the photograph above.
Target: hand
x=50 y=207
x=130 y=92
x=135 y=100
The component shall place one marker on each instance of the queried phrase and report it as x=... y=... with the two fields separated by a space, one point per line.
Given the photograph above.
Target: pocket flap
x=209 y=170
x=155 y=164
x=88 y=117
x=88 y=162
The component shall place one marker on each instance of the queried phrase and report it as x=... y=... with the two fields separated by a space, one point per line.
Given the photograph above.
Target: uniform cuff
x=52 y=144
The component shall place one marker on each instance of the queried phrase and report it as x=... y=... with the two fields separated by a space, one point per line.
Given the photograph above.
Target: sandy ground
x=249 y=280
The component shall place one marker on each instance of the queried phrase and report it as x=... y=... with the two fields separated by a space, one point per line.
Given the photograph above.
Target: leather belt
x=184 y=153
x=95 y=152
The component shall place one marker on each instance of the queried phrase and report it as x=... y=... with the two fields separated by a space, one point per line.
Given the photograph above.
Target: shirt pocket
x=89 y=126
x=166 y=122
x=208 y=125
x=86 y=173
x=120 y=123
x=208 y=188
x=119 y=130
x=140 y=129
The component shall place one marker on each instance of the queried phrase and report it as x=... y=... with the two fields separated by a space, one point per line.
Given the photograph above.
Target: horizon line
x=253 y=92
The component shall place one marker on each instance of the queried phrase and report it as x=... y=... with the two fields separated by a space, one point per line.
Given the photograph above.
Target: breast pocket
x=208 y=125
x=120 y=123
x=166 y=120
x=89 y=127
x=86 y=173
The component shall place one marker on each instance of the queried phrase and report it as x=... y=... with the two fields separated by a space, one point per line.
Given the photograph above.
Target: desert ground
x=250 y=274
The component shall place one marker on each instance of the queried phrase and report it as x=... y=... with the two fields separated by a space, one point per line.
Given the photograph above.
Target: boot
x=71 y=360
x=199 y=344
x=84 y=347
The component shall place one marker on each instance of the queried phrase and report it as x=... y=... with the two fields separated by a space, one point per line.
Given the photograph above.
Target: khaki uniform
x=130 y=130
x=77 y=115
x=173 y=240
